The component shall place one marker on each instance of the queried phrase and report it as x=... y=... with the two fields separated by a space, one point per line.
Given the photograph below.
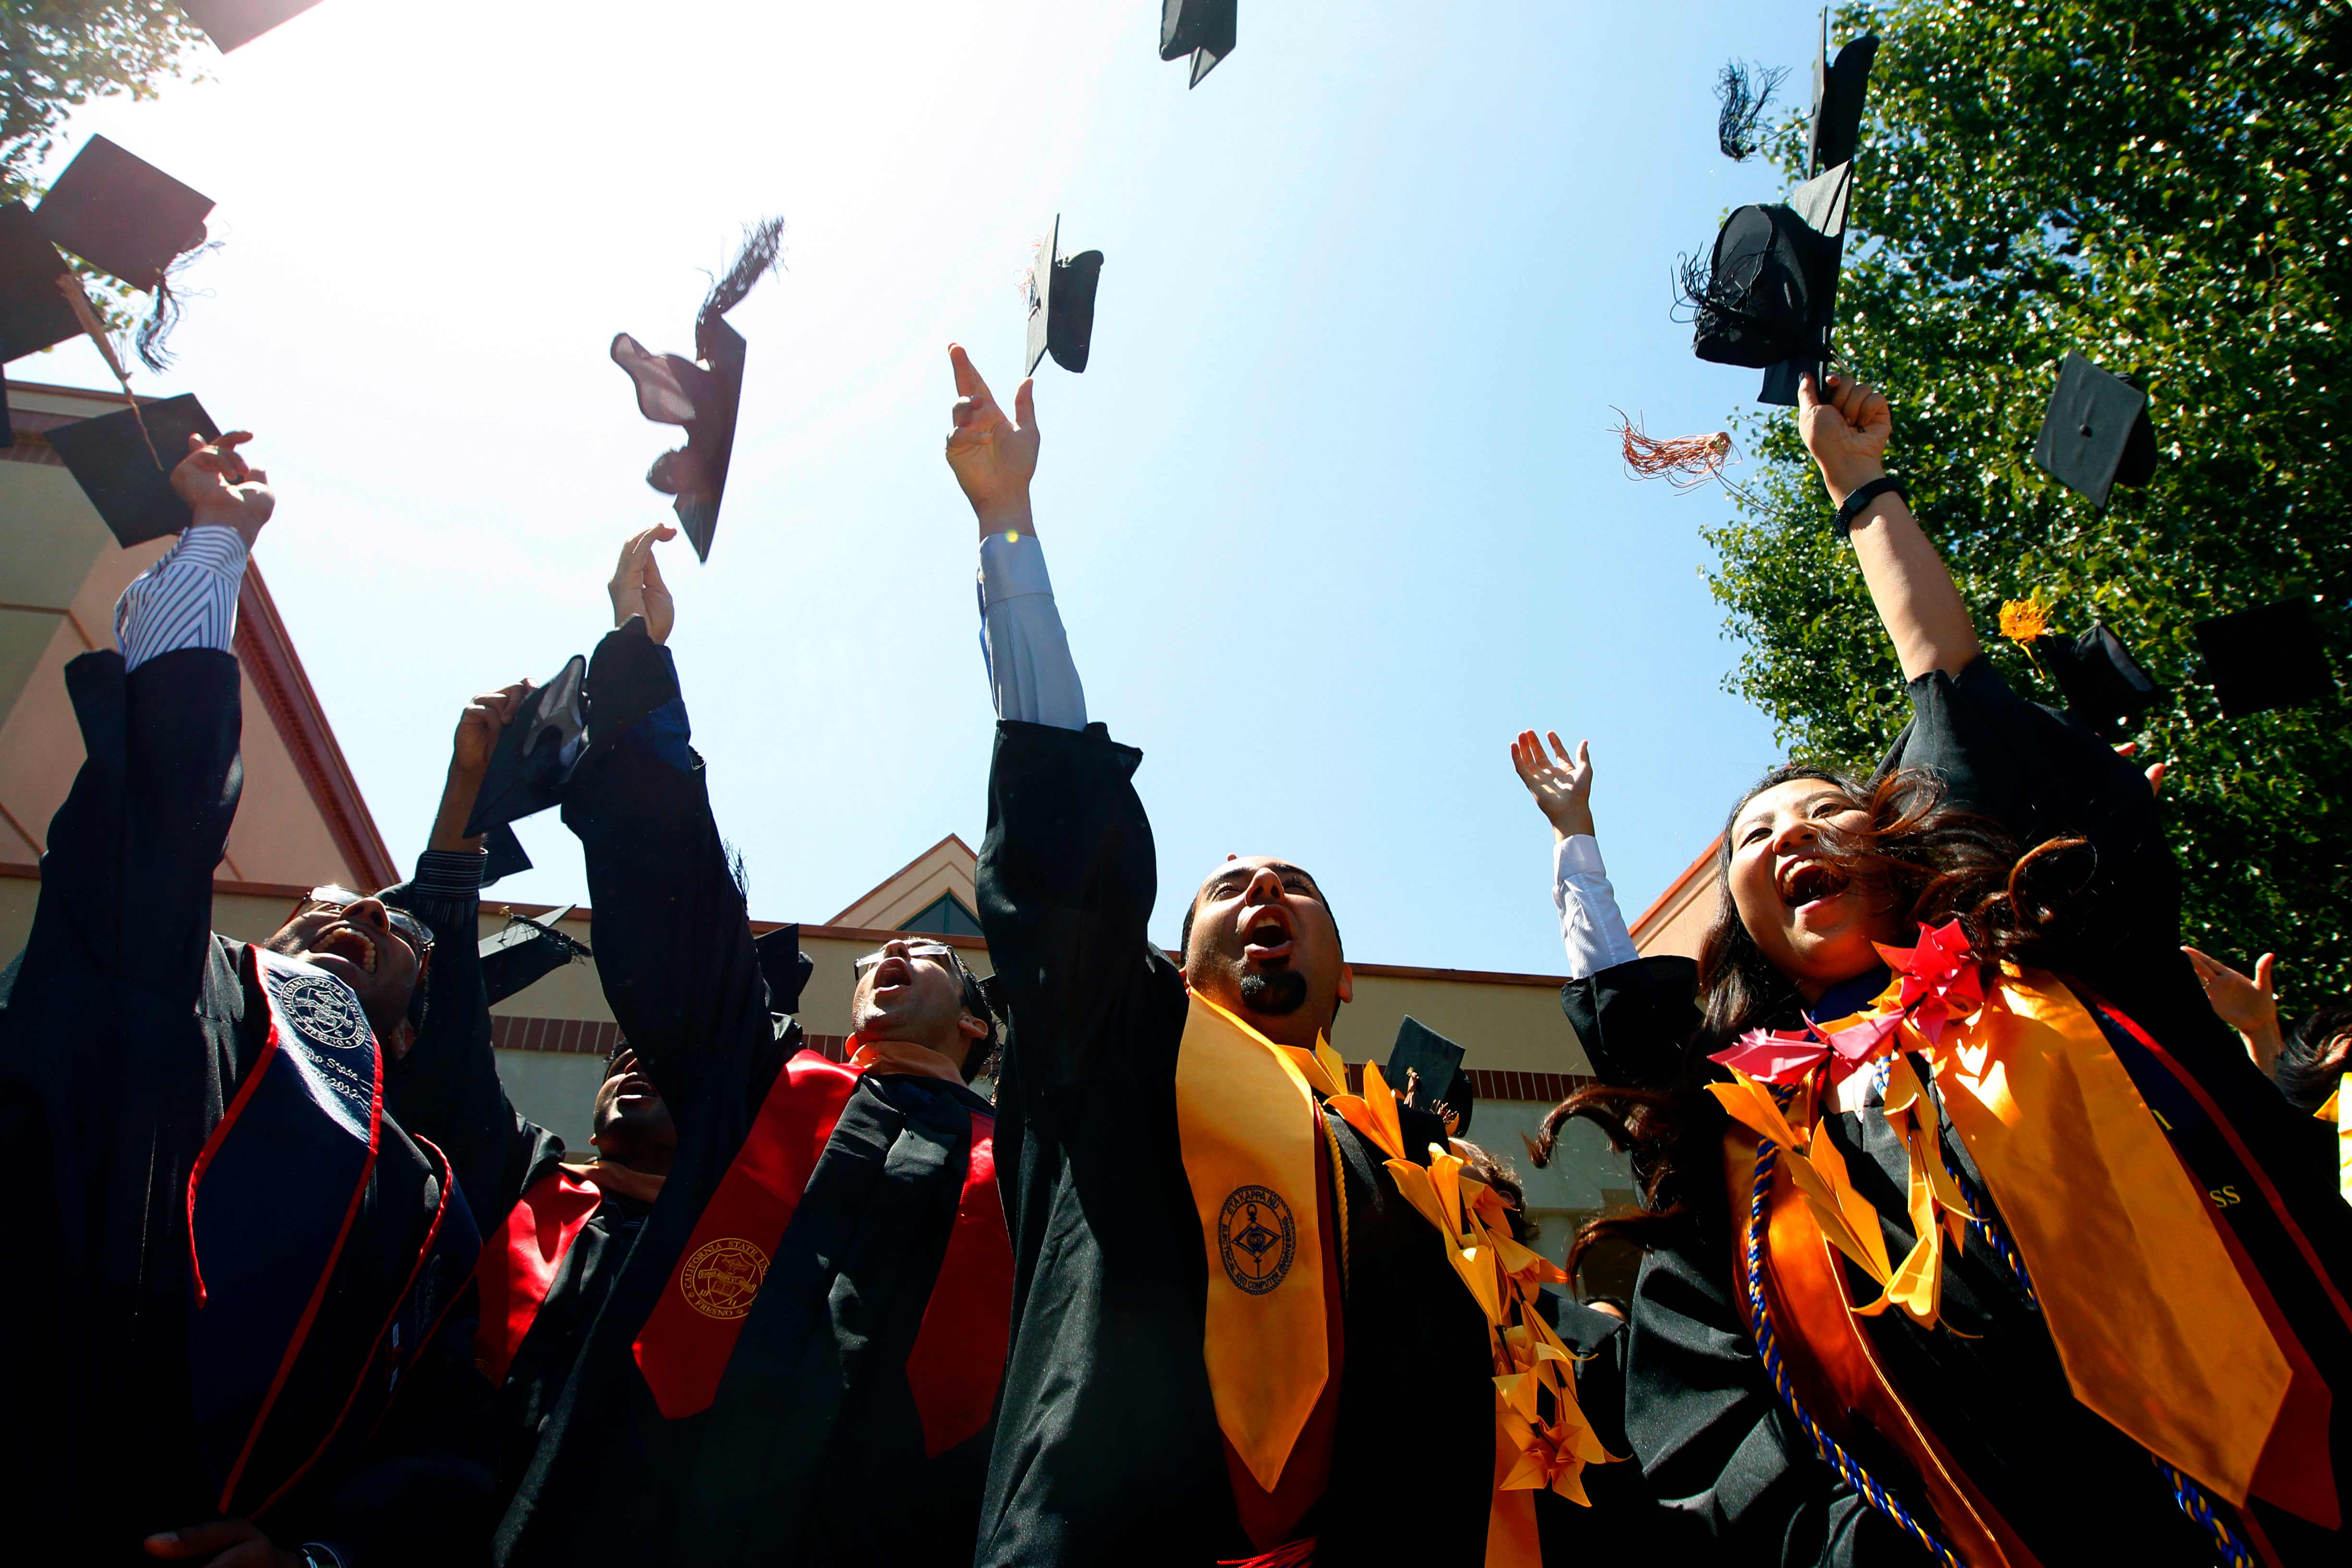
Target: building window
x=944 y=916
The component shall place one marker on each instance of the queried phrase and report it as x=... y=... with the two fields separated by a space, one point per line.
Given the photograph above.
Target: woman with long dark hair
x=1969 y=1233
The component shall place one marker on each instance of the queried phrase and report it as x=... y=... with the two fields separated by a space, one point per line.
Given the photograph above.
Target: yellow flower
x=2023 y=620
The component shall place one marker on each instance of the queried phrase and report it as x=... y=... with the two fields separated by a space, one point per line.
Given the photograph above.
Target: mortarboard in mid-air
x=2096 y=434
x=702 y=393
x=1062 y=303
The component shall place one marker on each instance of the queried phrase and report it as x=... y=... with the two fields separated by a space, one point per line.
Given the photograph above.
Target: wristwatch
x=1864 y=494
x=319 y=1554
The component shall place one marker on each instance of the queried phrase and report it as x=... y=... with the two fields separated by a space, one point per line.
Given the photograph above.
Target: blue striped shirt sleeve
x=188 y=599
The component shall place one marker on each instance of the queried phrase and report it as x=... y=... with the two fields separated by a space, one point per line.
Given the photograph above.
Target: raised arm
x=1592 y=930
x=673 y=941
x=1030 y=673
x=1916 y=602
x=159 y=722
x=445 y=1085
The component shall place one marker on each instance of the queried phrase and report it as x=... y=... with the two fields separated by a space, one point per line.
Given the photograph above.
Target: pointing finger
x=967 y=375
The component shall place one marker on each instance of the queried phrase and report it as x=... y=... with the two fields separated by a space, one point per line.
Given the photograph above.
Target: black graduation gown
x=128 y=1031
x=813 y=1450
x=1108 y=1448
x=1713 y=1436
x=447 y=1088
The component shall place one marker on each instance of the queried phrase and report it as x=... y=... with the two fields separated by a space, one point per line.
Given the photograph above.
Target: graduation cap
x=702 y=393
x=1422 y=1050
x=2265 y=658
x=526 y=953
x=1200 y=28
x=127 y=217
x=1840 y=88
x=34 y=314
x=232 y=23
x=2103 y=684
x=2096 y=433
x=124 y=462
x=1768 y=293
x=784 y=966
x=1062 y=303
x=535 y=752
x=503 y=854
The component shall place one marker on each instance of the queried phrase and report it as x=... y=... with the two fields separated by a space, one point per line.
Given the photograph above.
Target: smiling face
x=631 y=1125
x=1799 y=909
x=913 y=990
x=1262 y=945
x=357 y=942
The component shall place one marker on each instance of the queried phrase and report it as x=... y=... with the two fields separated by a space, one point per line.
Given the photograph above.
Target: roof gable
x=946 y=869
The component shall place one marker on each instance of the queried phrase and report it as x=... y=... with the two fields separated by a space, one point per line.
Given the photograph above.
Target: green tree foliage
x=55 y=53
x=2167 y=188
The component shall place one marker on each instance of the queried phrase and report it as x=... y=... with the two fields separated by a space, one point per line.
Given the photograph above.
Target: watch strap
x=1864 y=494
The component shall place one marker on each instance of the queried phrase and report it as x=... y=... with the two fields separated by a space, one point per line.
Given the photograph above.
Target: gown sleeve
x=673 y=942
x=1068 y=877
x=446 y=1086
x=1716 y=1447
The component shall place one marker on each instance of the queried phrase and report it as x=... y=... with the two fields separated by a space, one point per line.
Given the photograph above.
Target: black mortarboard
x=503 y=854
x=2265 y=658
x=2096 y=433
x=34 y=314
x=1840 y=88
x=1769 y=294
x=535 y=752
x=1438 y=1060
x=784 y=966
x=122 y=215
x=702 y=393
x=526 y=953
x=1200 y=28
x=124 y=462
x=232 y=23
x=2103 y=684
x=1062 y=303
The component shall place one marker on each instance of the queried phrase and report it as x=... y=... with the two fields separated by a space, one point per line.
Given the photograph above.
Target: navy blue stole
x=271 y=1201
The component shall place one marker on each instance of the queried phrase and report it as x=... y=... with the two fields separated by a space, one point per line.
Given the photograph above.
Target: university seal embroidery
x=1257 y=1238
x=723 y=1278
x=323 y=1009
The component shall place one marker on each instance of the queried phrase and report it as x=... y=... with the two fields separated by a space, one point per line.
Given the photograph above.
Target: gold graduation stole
x=1250 y=1133
x=2152 y=1318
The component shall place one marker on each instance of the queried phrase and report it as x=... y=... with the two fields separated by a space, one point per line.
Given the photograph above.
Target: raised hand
x=993 y=457
x=479 y=724
x=2249 y=1007
x=1561 y=784
x=221 y=488
x=1847 y=432
x=637 y=588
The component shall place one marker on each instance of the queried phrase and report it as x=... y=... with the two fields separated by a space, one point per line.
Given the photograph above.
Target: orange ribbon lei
x=1542 y=1439
x=2157 y=1329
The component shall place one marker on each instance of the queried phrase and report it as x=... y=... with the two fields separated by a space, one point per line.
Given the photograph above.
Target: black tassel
x=764 y=245
x=1745 y=93
x=164 y=315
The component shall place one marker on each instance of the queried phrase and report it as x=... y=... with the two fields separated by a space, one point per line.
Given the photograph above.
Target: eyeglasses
x=939 y=952
x=331 y=896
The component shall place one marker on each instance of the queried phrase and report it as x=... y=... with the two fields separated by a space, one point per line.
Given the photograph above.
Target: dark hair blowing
x=1929 y=860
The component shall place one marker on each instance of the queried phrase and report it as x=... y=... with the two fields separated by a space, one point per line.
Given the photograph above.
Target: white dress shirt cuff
x=1592 y=930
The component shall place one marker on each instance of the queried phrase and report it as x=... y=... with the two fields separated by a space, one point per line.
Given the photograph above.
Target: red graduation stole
x=518 y=1263
x=958 y=1357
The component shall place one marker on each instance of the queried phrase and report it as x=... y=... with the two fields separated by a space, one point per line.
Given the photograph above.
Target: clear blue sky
x=1334 y=512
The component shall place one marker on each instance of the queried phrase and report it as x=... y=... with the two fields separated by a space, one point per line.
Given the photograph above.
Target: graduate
x=1973 y=1236
x=1246 y=1326
x=228 y=1334
x=556 y=1231
x=799 y=1361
